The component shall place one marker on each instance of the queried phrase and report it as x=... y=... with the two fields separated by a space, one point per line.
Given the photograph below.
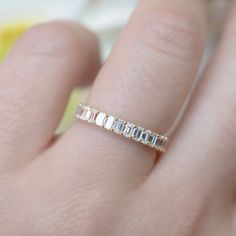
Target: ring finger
x=145 y=80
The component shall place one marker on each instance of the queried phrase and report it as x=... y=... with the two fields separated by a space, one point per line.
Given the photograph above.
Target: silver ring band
x=118 y=126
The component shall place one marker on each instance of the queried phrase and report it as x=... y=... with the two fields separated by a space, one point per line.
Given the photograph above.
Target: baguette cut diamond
x=129 y=129
x=157 y=140
x=109 y=122
x=137 y=133
x=152 y=139
x=161 y=142
x=80 y=111
x=144 y=137
x=88 y=114
x=86 y=111
x=100 y=119
x=92 y=116
x=119 y=126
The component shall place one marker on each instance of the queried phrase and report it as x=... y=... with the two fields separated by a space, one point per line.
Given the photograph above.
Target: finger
x=35 y=82
x=144 y=81
x=206 y=140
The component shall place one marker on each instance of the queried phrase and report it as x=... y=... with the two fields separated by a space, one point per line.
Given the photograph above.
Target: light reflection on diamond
x=101 y=118
x=88 y=114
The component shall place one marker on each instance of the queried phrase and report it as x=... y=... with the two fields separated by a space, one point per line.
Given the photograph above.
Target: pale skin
x=90 y=182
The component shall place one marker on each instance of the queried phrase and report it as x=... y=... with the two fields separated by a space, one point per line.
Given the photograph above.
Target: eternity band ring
x=118 y=126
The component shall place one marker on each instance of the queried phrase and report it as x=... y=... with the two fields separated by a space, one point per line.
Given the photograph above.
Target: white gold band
x=118 y=126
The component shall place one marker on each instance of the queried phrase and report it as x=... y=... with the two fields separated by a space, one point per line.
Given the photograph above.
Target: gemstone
x=137 y=133
x=118 y=126
x=129 y=129
x=100 y=119
x=86 y=111
x=80 y=111
x=109 y=122
x=152 y=139
x=157 y=141
x=165 y=140
x=161 y=142
x=88 y=114
x=92 y=116
x=144 y=137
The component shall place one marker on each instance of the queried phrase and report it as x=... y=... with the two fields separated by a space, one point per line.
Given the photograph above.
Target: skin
x=90 y=182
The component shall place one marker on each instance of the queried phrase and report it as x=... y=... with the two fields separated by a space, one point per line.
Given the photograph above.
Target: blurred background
x=105 y=17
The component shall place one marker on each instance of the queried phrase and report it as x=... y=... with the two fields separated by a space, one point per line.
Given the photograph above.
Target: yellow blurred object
x=8 y=36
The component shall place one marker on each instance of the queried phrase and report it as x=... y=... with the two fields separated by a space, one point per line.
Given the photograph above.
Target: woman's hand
x=90 y=182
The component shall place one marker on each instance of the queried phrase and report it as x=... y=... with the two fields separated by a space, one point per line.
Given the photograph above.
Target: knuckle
x=170 y=33
x=54 y=39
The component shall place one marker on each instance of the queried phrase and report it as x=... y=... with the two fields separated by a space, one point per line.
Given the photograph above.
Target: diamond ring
x=118 y=126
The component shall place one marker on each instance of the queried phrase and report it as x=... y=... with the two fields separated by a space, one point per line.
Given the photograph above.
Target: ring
x=118 y=126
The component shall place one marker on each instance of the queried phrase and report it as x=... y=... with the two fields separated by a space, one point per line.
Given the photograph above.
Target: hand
x=92 y=182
